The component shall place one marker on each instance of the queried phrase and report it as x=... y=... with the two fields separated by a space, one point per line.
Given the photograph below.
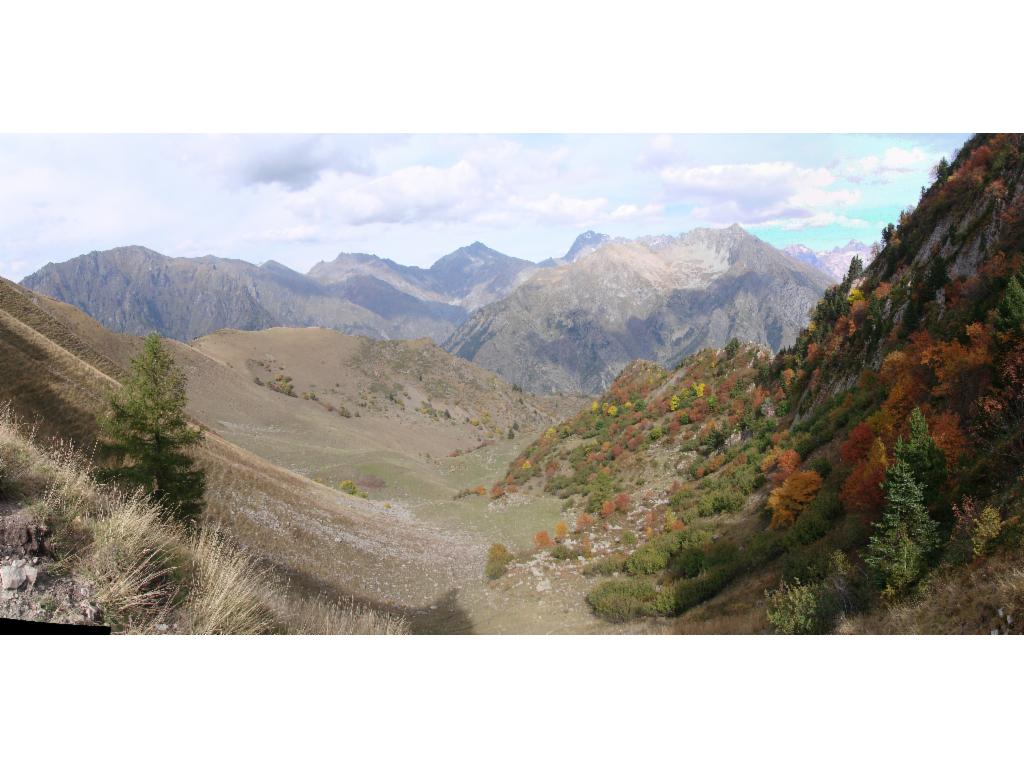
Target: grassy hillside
x=858 y=476
x=100 y=554
x=349 y=506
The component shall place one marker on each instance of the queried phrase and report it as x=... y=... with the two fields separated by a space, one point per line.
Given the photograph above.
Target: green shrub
x=605 y=566
x=986 y=528
x=793 y=609
x=691 y=592
x=822 y=466
x=562 y=552
x=626 y=599
x=687 y=563
x=719 y=501
x=351 y=488
x=628 y=538
x=654 y=555
x=498 y=559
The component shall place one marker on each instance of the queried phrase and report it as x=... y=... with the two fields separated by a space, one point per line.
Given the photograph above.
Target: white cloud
x=826 y=219
x=556 y=208
x=889 y=165
x=629 y=211
x=756 y=192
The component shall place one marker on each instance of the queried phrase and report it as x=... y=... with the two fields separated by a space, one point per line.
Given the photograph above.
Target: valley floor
x=427 y=557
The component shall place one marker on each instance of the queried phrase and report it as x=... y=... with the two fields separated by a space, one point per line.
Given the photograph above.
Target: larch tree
x=146 y=434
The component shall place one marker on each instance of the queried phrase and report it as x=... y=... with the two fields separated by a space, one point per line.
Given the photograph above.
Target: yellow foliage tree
x=698 y=388
x=789 y=499
x=561 y=530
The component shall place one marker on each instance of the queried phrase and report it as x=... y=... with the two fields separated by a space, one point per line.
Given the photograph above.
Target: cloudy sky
x=412 y=198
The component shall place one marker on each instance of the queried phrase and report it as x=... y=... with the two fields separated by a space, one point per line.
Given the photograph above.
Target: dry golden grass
x=975 y=599
x=321 y=616
x=225 y=595
x=149 y=575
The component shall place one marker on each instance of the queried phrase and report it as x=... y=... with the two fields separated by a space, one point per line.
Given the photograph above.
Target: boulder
x=20 y=535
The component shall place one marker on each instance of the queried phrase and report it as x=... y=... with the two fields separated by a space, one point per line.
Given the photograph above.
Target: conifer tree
x=1010 y=312
x=905 y=537
x=146 y=434
x=855 y=270
x=923 y=456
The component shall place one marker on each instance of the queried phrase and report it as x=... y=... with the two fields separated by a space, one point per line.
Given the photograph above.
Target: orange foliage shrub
x=962 y=371
x=541 y=540
x=785 y=466
x=607 y=508
x=561 y=530
x=944 y=427
x=622 y=502
x=583 y=522
x=789 y=499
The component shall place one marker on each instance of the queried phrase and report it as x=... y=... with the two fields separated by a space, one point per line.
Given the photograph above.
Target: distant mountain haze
x=573 y=327
x=566 y=324
x=834 y=262
x=137 y=290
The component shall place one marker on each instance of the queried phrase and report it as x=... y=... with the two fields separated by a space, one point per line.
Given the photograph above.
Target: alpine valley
x=687 y=433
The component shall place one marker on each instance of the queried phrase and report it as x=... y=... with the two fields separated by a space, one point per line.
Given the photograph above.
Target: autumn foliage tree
x=785 y=465
x=862 y=490
x=1001 y=412
x=561 y=530
x=789 y=499
x=857 y=444
x=542 y=540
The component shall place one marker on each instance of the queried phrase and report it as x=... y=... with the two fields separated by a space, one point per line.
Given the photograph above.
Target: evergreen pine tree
x=923 y=456
x=1010 y=312
x=856 y=269
x=905 y=537
x=146 y=434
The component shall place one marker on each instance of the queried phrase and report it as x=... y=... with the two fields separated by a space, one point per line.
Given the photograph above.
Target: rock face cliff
x=573 y=327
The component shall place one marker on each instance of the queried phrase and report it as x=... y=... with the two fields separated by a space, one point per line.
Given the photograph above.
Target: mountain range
x=564 y=324
x=574 y=326
x=833 y=262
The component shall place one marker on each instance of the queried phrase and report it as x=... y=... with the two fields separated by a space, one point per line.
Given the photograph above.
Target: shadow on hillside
x=443 y=616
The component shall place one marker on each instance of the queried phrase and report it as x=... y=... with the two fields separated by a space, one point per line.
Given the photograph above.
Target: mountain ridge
x=572 y=327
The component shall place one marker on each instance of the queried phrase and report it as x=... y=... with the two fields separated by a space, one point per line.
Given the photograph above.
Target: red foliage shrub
x=857 y=444
x=862 y=490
